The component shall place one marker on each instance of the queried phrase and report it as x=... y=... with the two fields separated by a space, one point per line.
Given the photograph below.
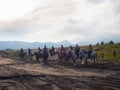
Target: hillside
x=106 y=51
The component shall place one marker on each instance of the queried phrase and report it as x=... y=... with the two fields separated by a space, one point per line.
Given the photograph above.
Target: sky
x=58 y=20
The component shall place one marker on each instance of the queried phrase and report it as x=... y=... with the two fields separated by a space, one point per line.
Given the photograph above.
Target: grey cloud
x=14 y=32
x=55 y=8
x=107 y=37
x=115 y=1
x=116 y=4
x=60 y=19
x=117 y=8
x=95 y=1
x=71 y=21
x=88 y=31
x=76 y=27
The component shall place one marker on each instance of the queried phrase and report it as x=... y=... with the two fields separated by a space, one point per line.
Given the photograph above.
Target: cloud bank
x=73 y=20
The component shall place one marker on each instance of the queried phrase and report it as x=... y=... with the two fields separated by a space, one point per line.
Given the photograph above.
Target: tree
x=102 y=42
x=111 y=42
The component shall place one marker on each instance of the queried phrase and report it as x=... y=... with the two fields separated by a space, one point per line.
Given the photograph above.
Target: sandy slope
x=28 y=75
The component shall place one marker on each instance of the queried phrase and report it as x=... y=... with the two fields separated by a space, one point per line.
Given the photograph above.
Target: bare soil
x=29 y=75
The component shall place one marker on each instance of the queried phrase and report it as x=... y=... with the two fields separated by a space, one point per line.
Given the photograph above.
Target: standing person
x=70 y=51
x=90 y=50
x=39 y=50
x=29 y=53
x=22 y=50
x=38 y=54
x=53 y=50
x=71 y=54
x=51 y=54
x=21 y=53
x=77 y=49
x=45 y=54
x=62 y=51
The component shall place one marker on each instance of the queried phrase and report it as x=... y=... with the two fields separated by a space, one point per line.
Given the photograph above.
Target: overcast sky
x=57 y=20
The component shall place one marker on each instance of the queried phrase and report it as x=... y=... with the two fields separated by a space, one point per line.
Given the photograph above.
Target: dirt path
x=24 y=75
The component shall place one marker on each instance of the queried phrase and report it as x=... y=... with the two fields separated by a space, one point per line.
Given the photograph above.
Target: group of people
x=76 y=51
x=44 y=53
x=62 y=52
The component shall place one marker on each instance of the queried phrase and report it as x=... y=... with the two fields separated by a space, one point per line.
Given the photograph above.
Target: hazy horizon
x=53 y=21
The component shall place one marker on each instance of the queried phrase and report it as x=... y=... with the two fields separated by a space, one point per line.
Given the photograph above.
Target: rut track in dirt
x=22 y=75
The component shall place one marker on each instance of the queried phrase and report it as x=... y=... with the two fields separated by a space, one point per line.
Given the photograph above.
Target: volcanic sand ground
x=29 y=75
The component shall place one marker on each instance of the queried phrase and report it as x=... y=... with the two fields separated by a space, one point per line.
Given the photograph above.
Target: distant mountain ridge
x=25 y=45
x=34 y=45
